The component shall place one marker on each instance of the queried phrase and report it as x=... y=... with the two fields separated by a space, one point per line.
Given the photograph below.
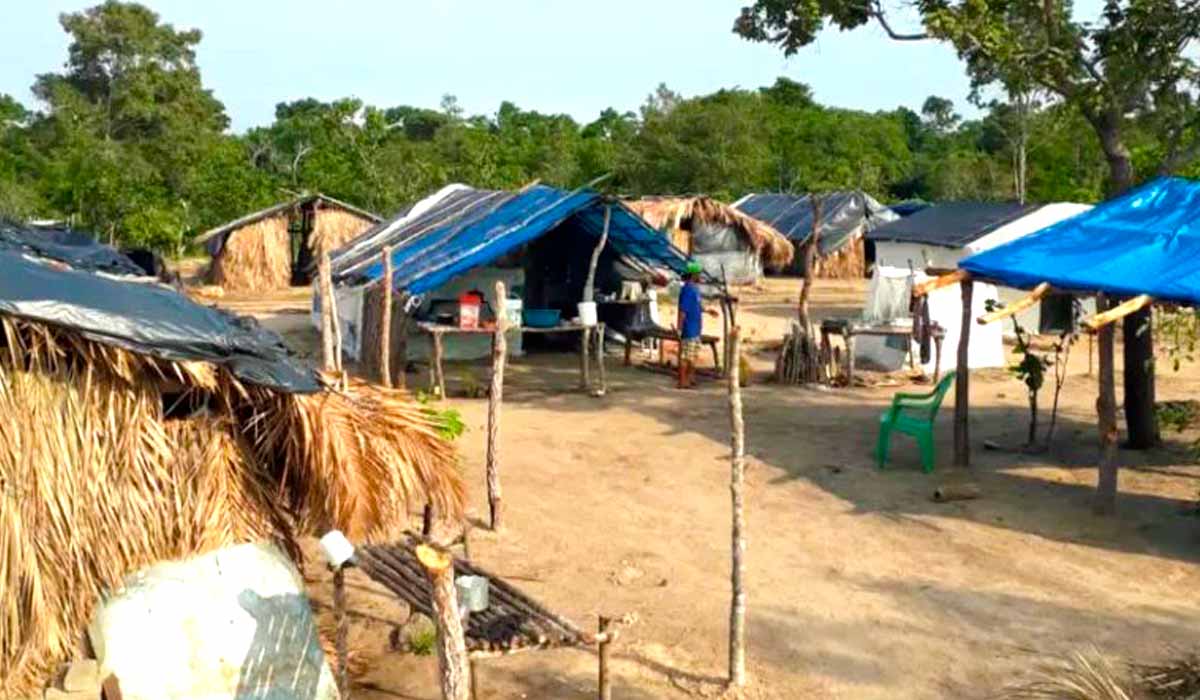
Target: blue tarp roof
x=1146 y=241
x=468 y=228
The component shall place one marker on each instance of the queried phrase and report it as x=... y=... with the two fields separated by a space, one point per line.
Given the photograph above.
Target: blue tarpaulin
x=469 y=228
x=1146 y=241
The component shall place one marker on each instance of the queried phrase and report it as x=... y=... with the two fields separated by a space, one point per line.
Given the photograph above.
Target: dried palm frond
x=1178 y=679
x=670 y=214
x=96 y=482
x=255 y=258
x=1079 y=676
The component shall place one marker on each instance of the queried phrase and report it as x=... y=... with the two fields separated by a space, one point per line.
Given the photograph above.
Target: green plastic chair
x=913 y=414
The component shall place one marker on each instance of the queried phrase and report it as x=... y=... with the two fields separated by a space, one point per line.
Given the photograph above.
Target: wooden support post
x=1106 y=408
x=605 y=680
x=341 y=628
x=495 y=398
x=848 y=336
x=385 y=328
x=737 y=476
x=453 y=662
x=962 y=381
x=937 y=360
x=335 y=324
x=1118 y=312
x=427 y=520
x=938 y=282
x=328 y=363
x=437 y=375
x=600 y=369
x=402 y=350
x=585 y=365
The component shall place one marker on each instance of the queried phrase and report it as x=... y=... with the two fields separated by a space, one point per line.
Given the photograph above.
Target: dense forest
x=128 y=142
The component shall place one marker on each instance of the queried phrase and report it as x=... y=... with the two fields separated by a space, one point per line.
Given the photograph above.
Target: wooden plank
x=938 y=282
x=1017 y=306
x=1103 y=318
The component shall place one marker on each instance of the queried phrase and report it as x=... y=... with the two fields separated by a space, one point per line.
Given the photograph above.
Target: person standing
x=690 y=325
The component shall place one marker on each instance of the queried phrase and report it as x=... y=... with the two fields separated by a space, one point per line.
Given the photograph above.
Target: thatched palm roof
x=127 y=442
x=665 y=213
x=281 y=208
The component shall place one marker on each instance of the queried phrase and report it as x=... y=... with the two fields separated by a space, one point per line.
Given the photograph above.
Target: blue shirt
x=693 y=315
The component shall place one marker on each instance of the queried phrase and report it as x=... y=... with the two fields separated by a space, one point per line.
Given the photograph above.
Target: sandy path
x=860 y=587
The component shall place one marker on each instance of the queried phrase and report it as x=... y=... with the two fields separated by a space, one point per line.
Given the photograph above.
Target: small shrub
x=421 y=641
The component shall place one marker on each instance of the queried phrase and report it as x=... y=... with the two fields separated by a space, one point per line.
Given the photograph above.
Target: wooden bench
x=660 y=333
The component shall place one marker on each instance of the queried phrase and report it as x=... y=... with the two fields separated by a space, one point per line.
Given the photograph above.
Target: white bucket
x=587 y=313
x=513 y=308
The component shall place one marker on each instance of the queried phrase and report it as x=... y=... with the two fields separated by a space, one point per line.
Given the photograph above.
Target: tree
x=939 y=113
x=1131 y=65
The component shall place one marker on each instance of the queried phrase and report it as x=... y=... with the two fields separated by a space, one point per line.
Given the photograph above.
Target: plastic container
x=469 y=305
x=541 y=318
x=472 y=593
x=587 y=313
x=513 y=308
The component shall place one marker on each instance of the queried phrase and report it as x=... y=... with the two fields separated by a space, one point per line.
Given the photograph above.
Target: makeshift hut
x=1140 y=246
x=140 y=427
x=729 y=244
x=538 y=241
x=279 y=246
x=909 y=250
x=845 y=217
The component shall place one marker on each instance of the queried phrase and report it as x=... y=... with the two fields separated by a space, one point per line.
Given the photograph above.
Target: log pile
x=799 y=360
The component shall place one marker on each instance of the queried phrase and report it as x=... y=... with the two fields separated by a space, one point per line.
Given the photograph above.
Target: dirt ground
x=859 y=585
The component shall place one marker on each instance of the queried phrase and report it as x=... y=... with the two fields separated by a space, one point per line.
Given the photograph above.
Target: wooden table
x=849 y=330
x=437 y=375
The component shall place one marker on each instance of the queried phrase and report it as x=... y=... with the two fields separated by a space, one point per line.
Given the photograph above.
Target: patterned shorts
x=689 y=349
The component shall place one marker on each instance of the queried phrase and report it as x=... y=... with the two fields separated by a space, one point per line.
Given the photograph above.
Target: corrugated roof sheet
x=1146 y=241
x=465 y=228
x=844 y=216
x=951 y=224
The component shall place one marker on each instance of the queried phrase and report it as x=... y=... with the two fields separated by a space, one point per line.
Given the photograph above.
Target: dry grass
x=848 y=262
x=334 y=228
x=95 y=482
x=670 y=214
x=255 y=258
x=1080 y=676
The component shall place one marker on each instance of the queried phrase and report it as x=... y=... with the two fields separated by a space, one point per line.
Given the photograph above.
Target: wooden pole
x=605 y=642
x=327 y=346
x=737 y=607
x=1106 y=407
x=589 y=287
x=962 y=385
x=585 y=367
x=453 y=662
x=495 y=397
x=334 y=324
x=339 y=619
x=385 y=328
x=600 y=369
x=439 y=376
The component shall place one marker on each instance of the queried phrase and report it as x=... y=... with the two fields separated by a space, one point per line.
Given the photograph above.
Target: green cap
x=693 y=268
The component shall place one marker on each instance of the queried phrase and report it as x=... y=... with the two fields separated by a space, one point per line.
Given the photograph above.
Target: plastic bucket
x=514 y=308
x=587 y=313
x=468 y=310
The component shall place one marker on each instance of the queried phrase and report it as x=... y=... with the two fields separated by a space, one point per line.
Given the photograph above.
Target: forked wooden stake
x=737 y=477
x=453 y=662
x=1017 y=306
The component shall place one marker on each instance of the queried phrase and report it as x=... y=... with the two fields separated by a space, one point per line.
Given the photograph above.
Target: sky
x=553 y=56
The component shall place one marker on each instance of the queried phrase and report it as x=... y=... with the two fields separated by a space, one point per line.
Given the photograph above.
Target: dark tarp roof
x=65 y=245
x=908 y=208
x=468 y=228
x=1146 y=241
x=952 y=224
x=147 y=318
x=844 y=215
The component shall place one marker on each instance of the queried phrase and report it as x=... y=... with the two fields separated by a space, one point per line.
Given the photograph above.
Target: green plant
x=421 y=641
x=448 y=421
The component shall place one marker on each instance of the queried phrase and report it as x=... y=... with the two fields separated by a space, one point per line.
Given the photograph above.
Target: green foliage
x=421 y=641
x=449 y=421
x=1177 y=415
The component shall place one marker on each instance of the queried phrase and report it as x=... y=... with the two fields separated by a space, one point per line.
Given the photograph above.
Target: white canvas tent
x=937 y=238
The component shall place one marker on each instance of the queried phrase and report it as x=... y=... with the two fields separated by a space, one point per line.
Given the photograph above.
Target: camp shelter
x=937 y=238
x=68 y=246
x=1141 y=246
x=538 y=241
x=729 y=244
x=280 y=246
x=141 y=427
x=845 y=218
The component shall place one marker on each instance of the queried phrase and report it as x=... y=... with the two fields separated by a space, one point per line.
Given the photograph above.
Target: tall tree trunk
x=810 y=258
x=1138 y=350
x=1106 y=410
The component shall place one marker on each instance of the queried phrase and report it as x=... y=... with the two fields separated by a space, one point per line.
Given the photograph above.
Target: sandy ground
x=859 y=585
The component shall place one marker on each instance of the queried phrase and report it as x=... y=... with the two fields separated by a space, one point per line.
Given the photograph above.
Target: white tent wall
x=721 y=250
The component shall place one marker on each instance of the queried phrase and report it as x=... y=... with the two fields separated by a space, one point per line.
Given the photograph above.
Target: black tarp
x=951 y=224
x=65 y=245
x=844 y=215
x=148 y=318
